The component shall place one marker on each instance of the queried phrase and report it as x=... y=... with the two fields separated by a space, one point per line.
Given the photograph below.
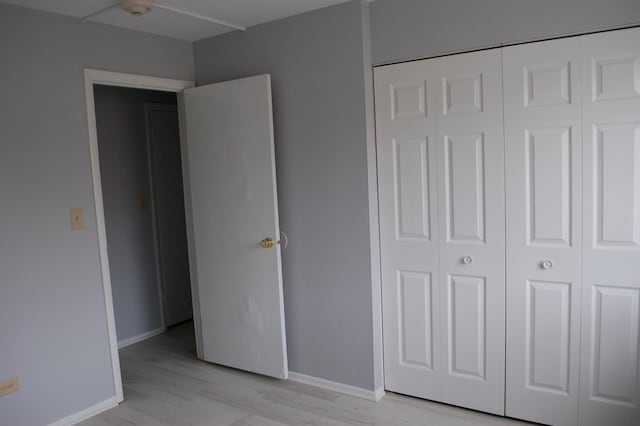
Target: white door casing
x=439 y=142
x=406 y=151
x=471 y=224
x=543 y=161
x=233 y=206
x=610 y=364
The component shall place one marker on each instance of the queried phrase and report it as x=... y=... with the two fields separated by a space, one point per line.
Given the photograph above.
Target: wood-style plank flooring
x=164 y=384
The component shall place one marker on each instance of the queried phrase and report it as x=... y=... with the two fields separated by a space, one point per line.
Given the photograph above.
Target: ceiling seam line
x=199 y=16
x=99 y=12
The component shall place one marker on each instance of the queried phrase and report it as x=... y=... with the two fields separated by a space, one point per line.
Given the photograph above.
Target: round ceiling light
x=136 y=7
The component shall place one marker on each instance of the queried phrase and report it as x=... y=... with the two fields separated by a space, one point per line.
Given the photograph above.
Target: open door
x=233 y=225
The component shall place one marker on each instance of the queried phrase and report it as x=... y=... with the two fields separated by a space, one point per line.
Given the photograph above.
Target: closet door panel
x=471 y=221
x=406 y=148
x=542 y=95
x=610 y=366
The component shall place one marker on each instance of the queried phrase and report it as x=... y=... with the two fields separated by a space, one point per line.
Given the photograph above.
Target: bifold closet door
x=471 y=229
x=542 y=105
x=441 y=192
x=610 y=363
x=571 y=158
x=407 y=185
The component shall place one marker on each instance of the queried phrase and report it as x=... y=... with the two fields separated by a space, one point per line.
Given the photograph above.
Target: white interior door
x=471 y=224
x=542 y=99
x=407 y=185
x=441 y=192
x=233 y=207
x=610 y=364
x=163 y=138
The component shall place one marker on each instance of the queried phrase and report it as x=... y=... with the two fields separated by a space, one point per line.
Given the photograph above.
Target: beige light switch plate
x=9 y=386
x=77 y=219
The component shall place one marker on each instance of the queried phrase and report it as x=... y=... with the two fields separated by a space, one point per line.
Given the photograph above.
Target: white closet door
x=471 y=223
x=610 y=364
x=406 y=146
x=543 y=164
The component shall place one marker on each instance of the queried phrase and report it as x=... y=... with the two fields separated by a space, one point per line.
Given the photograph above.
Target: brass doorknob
x=267 y=243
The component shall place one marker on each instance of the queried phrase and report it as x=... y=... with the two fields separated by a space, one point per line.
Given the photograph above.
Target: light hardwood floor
x=164 y=384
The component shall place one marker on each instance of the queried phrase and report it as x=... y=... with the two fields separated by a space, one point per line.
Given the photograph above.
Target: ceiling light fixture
x=136 y=7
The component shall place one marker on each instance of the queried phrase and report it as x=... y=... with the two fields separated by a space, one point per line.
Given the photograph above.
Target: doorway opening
x=142 y=192
x=141 y=177
x=136 y=163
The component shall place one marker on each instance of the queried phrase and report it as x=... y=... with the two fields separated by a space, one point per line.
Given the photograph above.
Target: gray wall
x=318 y=75
x=410 y=29
x=51 y=304
x=124 y=172
x=316 y=61
x=53 y=331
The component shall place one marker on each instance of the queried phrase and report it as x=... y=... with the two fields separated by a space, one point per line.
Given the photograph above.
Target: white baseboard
x=379 y=393
x=86 y=413
x=337 y=387
x=141 y=337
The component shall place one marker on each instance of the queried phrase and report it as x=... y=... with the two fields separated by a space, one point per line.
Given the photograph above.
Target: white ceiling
x=243 y=13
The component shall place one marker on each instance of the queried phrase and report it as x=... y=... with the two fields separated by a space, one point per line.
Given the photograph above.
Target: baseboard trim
x=87 y=412
x=140 y=337
x=379 y=393
x=337 y=387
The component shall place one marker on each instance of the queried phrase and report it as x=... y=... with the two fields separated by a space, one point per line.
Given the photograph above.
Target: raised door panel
x=548 y=186
x=466 y=327
x=462 y=94
x=614 y=347
x=471 y=218
x=616 y=152
x=415 y=321
x=547 y=333
x=542 y=96
x=405 y=133
x=464 y=188
x=547 y=83
x=610 y=364
x=411 y=189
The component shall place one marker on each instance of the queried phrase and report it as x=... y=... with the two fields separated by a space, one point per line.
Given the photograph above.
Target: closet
x=509 y=191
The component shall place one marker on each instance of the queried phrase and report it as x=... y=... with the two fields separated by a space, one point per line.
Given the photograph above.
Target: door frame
x=135 y=81
x=154 y=213
x=148 y=107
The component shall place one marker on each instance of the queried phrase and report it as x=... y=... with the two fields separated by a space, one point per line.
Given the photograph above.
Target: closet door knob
x=547 y=264
x=467 y=260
